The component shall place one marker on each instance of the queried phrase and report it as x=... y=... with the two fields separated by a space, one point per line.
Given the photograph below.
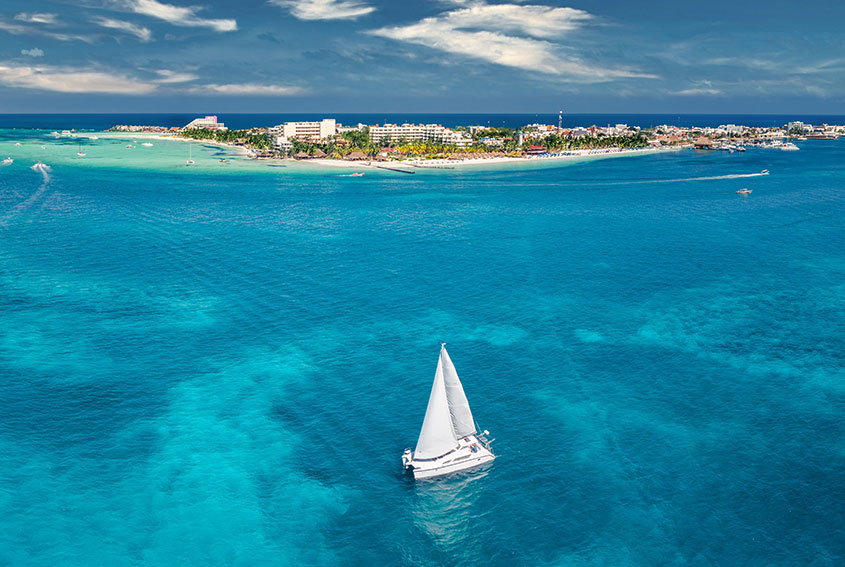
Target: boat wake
x=703 y=178
x=44 y=170
x=732 y=176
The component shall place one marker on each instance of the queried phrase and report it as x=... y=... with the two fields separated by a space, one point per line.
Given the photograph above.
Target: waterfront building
x=341 y=129
x=307 y=130
x=797 y=125
x=207 y=122
x=733 y=129
x=282 y=142
x=419 y=133
x=539 y=130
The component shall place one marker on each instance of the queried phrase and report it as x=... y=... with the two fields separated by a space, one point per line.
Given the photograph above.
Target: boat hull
x=470 y=453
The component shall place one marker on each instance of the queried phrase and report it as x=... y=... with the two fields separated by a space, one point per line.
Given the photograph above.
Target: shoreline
x=411 y=164
x=440 y=164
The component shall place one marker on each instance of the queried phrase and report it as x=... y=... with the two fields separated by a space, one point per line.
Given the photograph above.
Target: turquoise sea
x=222 y=364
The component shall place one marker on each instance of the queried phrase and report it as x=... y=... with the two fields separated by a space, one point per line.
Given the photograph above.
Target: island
x=434 y=145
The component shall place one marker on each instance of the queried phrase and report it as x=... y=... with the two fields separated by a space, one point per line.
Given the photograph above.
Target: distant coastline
x=331 y=143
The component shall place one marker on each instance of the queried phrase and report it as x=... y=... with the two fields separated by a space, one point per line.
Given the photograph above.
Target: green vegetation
x=494 y=133
x=556 y=142
x=249 y=138
x=357 y=143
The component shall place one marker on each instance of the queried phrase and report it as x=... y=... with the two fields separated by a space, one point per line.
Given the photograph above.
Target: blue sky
x=743 y=56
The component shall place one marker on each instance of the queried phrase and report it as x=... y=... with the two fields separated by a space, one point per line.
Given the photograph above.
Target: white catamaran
x=448 y=440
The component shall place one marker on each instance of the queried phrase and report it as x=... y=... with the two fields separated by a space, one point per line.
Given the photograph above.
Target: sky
x=512 y=56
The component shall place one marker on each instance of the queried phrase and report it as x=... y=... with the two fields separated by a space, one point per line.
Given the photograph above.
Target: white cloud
x=481 y=31
x=12 y=28
x=168 y=77
x=698 y=91
x=536 y=21
x=34 y=52
x=36 y=18
x=247 y=89
x=179 y=16
x=70 y=80
x=325 y=9
x=142 y=33
x=18 y=29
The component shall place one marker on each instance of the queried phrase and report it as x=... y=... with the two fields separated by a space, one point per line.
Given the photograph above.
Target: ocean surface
x=222 y=364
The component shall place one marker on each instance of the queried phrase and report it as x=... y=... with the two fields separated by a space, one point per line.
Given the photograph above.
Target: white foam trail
x=732 y=176
x=707 y=178
x=45 y=170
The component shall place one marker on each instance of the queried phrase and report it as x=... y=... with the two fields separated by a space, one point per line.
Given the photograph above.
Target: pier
x=396 y=169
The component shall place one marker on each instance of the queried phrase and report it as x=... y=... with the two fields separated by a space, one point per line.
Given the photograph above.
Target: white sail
x=462 y=422
x=437 y=436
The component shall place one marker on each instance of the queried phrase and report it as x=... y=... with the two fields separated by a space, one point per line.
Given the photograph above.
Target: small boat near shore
x=7 y=161
x=448 y=440
x=744 y=191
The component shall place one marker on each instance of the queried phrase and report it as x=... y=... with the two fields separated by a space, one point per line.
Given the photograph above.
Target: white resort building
x=208 y=122
x=419 y=132
x=283 y=134
x=307 y=130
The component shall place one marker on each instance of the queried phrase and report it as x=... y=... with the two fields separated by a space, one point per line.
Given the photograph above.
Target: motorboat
x=358 y=174
x=764 y=172
x=7 y=161
x=744 y=191
x=147 y=145
x=448 y=440
x=131 y=147
x=789 y=147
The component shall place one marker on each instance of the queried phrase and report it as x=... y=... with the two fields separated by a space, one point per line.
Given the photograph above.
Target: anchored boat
x=448 y=440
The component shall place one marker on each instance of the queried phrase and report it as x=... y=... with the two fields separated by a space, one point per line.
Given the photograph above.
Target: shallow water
x=221 y=365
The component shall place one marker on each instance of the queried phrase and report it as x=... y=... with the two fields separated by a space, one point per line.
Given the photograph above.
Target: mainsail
x=448 y=417
x=462 y=422
x=437 y=436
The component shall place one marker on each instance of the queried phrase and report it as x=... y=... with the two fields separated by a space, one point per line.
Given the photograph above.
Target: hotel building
x=307 y=130
x=208 y=122
x=419 y=133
